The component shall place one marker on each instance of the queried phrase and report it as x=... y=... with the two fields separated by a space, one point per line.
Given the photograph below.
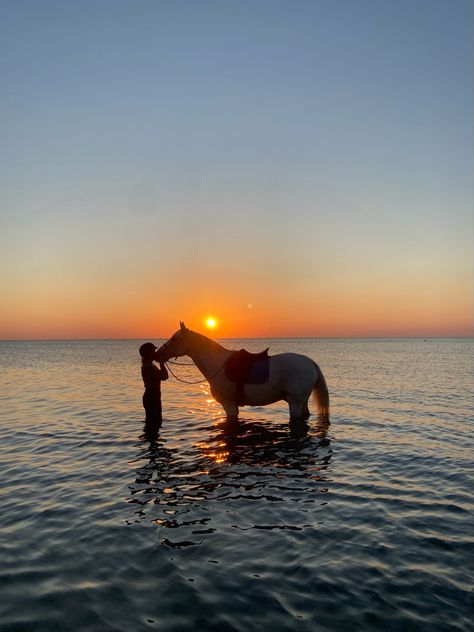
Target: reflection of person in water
x=152 y=378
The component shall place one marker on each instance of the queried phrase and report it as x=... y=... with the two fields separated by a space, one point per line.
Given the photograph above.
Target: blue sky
x=180 y=147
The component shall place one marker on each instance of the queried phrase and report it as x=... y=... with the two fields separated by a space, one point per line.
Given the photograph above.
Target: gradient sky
x=294 y=168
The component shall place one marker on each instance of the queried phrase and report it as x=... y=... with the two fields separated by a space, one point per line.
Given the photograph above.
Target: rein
x=181 y=363
x=206 y=379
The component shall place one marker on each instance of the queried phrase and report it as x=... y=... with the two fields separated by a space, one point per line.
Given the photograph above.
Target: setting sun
x=211 y=323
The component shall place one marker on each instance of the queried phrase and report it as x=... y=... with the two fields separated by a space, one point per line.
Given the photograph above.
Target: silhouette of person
x=152 y=378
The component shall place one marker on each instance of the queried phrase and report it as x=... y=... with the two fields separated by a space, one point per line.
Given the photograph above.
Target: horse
x=292 y=377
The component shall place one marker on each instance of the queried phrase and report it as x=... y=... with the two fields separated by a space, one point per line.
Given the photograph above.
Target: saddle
x=244 y=367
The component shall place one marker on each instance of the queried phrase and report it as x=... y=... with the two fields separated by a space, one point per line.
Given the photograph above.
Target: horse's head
x=176 y=346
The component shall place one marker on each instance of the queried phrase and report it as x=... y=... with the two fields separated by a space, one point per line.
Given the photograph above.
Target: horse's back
x=292 y=358
x=294 y=365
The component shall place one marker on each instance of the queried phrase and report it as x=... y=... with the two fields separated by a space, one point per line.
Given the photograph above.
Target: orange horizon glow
x=112 y=306
x=270 y=319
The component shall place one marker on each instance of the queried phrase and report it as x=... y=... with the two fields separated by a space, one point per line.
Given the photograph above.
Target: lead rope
x=206 y=379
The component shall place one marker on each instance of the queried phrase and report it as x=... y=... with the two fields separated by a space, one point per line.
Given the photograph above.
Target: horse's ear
x=182 y=326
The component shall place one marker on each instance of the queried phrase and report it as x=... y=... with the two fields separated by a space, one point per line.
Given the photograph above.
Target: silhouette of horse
x=292 y=377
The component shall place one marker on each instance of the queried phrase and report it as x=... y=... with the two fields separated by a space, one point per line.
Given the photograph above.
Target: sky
x=290 y=168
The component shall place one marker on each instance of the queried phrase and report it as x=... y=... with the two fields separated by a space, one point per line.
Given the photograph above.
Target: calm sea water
x=362 y=525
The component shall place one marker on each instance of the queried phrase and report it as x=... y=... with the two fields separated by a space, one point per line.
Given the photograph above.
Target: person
x=152 y=378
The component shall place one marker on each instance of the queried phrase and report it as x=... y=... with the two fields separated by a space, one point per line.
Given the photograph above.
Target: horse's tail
x=321 y=393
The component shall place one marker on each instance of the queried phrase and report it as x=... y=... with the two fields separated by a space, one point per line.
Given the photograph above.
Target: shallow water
x=365 y=524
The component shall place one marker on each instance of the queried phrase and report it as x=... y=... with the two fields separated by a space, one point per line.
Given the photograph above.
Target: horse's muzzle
x=159 y=356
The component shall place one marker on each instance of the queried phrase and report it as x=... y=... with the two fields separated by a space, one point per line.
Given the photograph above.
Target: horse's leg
x=305 y=412
x=231 y=410
x=297 y=411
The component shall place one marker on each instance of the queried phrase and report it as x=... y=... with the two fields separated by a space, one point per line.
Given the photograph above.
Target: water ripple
x=108 y=524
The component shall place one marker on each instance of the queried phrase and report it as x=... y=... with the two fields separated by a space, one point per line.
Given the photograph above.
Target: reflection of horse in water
x=262 y=443
x=292 y=377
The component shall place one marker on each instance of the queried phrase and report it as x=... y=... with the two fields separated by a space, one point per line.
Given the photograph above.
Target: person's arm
x=164 y=371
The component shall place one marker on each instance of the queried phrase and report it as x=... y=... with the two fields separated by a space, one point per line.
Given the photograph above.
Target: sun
x=211 y=323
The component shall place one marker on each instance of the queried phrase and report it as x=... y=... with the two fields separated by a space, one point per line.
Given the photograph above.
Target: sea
x=361 y=524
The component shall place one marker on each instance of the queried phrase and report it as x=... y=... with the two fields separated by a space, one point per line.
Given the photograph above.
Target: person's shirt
x=152 y=375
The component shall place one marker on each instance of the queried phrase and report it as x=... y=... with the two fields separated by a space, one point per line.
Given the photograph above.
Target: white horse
x=292 y=377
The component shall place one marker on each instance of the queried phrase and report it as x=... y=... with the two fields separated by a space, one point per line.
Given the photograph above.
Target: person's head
x=147 y=351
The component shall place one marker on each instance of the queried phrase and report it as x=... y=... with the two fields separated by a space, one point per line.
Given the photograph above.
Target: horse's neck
x=208 y=355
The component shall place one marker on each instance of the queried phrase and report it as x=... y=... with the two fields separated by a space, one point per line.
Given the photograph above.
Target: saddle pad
x=259 y=372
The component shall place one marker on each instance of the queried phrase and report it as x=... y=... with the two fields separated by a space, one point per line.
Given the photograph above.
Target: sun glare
x=211 y=323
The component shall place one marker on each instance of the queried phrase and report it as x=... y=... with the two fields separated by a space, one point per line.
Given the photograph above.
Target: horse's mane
x=205 y=341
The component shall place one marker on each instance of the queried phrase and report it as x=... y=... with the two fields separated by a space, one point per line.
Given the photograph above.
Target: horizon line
x=339 y=337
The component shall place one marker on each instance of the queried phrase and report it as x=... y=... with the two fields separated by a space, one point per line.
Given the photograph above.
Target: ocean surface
x=365 y=524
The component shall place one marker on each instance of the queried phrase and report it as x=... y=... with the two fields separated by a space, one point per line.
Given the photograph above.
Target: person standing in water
x=152 y=378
